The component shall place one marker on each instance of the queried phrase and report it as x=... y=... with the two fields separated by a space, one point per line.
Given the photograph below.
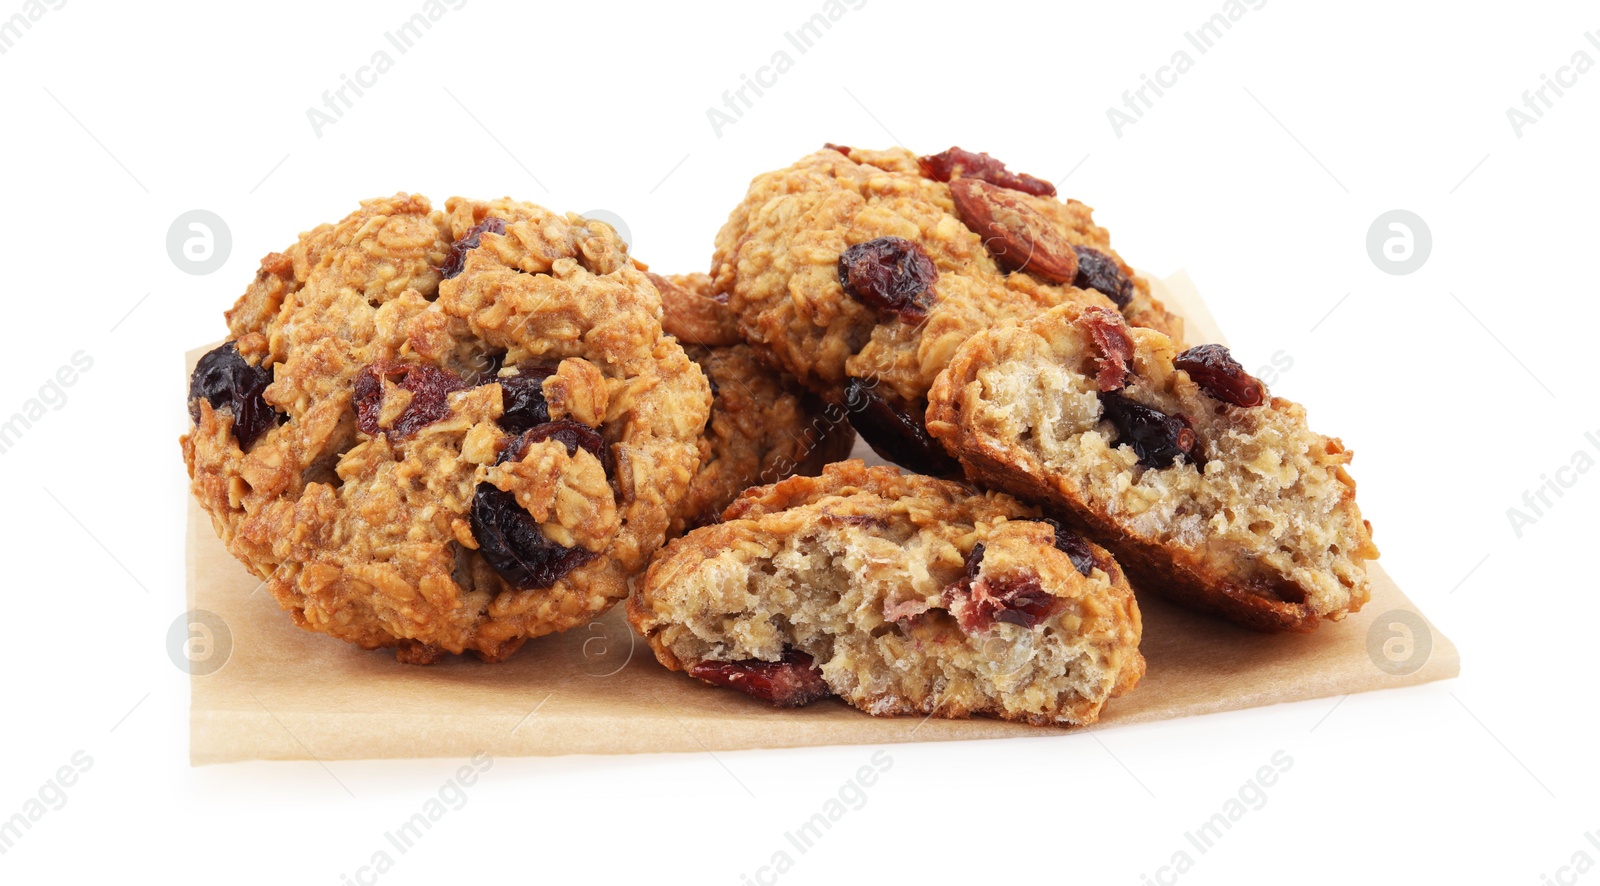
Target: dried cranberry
x=891 y=275
x=568 y=433
x=510 y=541
x=957 y=163
x=1157 y=438
x=790 y=682
x=1075 y=546
x=459 y=249
x=226 y=380
x=429 y=386
x=978 y=604
x=522 y=403
x=843 y=149
x=1020 y=602
x=973 y=562
x=895 y=432
x=1116 y=347
x=1221 y=376
x=1099 y=271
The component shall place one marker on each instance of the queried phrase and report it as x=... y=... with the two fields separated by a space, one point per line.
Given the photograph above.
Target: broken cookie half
x=1206 y=488
x=898 y=593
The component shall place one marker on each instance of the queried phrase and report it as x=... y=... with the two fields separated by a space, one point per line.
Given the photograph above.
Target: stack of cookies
x=453 y=431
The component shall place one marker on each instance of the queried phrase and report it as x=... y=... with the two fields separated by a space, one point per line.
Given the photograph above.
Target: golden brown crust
x=777 y=263
x=764 y=427
x=692 y=311
x=871 y=573
x=1268 y=534
x=369 y=537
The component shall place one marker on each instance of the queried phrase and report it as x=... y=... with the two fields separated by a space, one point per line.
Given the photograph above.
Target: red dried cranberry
x=1157 y=438
x=568 y=433
x=429 y=385
x=957 y=163
x=459 y=249
x=1221 y=376
x=896 y=432
x=1116 y=348
x=1100 y=272
x=792 y=681
x=522 y=403
x=226 y=380
x=978 y=604
x=891 y=275
x=510 y=541
x=1075 y=546
x=843 y=149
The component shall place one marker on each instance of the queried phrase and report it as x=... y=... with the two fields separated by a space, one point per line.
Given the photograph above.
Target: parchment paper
x=288 y=694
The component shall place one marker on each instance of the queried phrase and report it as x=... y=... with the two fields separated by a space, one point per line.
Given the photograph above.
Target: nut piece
x=1018 y=236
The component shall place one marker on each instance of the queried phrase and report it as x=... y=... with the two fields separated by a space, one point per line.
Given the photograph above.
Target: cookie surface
x=876 y=265
x=764 y=426
x=1206 y=488
x=900 y=594
x=476 y=428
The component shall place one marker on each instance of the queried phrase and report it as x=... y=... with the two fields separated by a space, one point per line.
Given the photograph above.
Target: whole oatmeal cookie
x=442 y=432
x=900 y=594
x=860 y=272
x=1206 y=488
x=764 y=426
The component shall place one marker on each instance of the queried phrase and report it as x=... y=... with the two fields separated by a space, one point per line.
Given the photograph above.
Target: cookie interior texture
x=864 y=570
x=1267 y=532
x=777 y=262
x=365 y=514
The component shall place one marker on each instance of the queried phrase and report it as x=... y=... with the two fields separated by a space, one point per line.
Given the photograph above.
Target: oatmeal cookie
x=1206 y=488
x=860 y=272
x=692 y=311
x=900 y=594
x=446 y=431
x=764 y=426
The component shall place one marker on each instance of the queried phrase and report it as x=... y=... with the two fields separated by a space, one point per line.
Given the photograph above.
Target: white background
x=1260 y=171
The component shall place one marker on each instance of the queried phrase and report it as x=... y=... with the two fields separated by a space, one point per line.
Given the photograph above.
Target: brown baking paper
x=284 y=693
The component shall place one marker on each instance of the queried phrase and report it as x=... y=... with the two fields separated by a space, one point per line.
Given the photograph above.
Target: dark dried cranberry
x=790 y=682
x=429 y=386
x=568 y=433
x=522 y=403
x=1020 y=602
x=459 y=249
x=895 y=432
x=226 y=380
x=1075 y=546
x=1221 y=376
x=1099 y=271
x=973 y=562
x=843 y=149
x=891 y=275
x=1157 y=438
x=957 y=163
x=1116 y=348
x=510 y=541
